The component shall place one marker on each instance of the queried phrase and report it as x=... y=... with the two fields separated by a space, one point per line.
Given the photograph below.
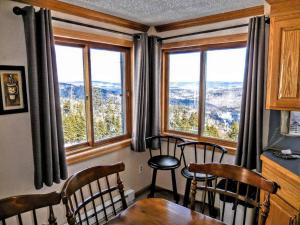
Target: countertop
x=292 y=165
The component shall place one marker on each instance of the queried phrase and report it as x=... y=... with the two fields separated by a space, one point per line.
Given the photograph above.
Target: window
x=184 y=92
x=72 y=93
x=203 y=89
x=94 y=93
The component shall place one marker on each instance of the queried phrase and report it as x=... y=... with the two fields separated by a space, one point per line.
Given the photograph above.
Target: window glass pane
x=224 y=85
x=72 y=93
x=107 y=74
x=184 y=75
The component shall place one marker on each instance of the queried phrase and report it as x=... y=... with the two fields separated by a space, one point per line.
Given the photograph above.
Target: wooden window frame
x=91 y=143
x=230 y=145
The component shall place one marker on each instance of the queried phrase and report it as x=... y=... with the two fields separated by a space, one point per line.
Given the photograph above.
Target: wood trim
x=76 y=146
x=230 y=146
x=128 y=90
x=88 y=95
x=164 y=90
x=90 y=153
x=281 y=7
x=232 y=15
x=86 y=13
x=202 y=91
x=226 y=39
x=90 y=37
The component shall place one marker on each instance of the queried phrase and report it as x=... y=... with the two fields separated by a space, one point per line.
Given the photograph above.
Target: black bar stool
x=165 y=160
x=196 y=148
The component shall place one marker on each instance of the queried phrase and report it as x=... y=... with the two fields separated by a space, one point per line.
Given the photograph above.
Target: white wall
x=16 y=157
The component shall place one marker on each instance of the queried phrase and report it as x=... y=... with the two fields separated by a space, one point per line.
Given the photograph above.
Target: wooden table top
x=157 y=211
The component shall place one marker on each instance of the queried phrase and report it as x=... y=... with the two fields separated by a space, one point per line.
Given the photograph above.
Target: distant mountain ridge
x=183 y=94
x=75 y=90
x=209 y=84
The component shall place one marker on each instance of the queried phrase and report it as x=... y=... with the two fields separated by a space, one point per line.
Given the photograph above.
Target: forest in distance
x=222 y=109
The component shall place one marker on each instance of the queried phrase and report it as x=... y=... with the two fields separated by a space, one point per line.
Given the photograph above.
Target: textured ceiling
x=156 y=12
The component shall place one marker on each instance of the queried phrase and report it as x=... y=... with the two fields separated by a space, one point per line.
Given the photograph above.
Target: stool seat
x=199 y=176
x=164 y=162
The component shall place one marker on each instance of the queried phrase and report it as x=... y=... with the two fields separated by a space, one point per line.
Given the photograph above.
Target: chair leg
x=211 y=207
x=187 y=192
x=151 y=195
x=176 y=196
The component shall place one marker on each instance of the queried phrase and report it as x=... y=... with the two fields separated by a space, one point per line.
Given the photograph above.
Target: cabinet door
x=280 y=212
x=283 y=89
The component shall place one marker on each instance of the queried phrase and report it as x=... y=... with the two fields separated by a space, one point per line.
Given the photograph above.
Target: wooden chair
x=239 y=187
x=18 y=206
x=165 y=160
x=201 y=152
x=295 y=220
x=89 y=197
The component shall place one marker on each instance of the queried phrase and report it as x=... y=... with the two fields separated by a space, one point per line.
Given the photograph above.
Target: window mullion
x=128 y=90
x=201 y=118
x=166 y=92
x=88 y=94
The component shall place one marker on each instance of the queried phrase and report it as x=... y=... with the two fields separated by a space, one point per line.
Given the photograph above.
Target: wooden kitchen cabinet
x=280 y=212
x=285 y=205
x=283 y=82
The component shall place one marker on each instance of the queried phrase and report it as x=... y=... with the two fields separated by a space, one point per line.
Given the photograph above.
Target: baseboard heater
x=129 y=196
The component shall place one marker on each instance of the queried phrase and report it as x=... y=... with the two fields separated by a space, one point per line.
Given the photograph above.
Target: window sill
x=87 y=153
x=230 y=146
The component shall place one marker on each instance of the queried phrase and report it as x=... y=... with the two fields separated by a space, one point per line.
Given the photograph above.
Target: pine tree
x=211 y=130
x=233 y=133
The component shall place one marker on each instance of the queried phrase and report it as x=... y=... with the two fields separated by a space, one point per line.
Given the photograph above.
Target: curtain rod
x=267 y=20
x=203 y=32
x=19 y=11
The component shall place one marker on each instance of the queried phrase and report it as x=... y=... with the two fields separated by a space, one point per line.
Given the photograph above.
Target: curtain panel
x=147 y=75
x=252 y=110
x=46 y=122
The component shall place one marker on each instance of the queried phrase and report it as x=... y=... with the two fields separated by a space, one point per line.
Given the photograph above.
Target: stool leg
x=151 y=195
x=187 y=192
x=176 y=197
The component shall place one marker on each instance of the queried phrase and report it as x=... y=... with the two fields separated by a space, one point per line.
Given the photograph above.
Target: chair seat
x=199 y=176
x=164 y=162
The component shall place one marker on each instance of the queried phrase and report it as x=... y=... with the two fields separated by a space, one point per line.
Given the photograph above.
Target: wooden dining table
x=156 y=211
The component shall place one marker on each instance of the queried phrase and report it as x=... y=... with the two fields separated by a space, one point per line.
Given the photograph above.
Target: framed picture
x=13 y=97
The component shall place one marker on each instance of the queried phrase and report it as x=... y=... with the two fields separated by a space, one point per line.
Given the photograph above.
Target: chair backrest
x=90 y=198
x=154 y=143
x=295 y=220
x=203 y=152
x=237 y=188
x=18 y=206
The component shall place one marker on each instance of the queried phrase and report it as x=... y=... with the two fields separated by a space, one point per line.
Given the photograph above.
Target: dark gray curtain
x=146 y=113
x=252 y=110
x=46 y=122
